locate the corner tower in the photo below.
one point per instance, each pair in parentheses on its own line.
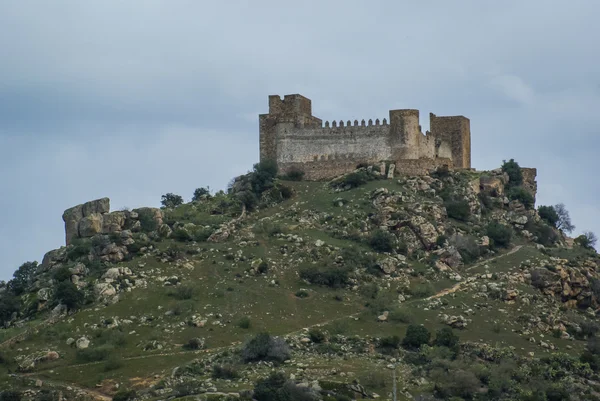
(456,131)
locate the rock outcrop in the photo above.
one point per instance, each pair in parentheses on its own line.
(94,217)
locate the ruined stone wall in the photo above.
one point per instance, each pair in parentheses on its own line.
(293,137)
(529,180)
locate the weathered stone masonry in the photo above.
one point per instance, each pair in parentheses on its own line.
(294,138)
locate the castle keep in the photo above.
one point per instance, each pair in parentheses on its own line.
(294,138)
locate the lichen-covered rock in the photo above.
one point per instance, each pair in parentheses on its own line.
(90,225)
(113,222)
(82,343)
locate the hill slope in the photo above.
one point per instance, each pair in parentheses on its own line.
(341,271)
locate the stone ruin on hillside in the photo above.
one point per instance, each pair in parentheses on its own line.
(295,139)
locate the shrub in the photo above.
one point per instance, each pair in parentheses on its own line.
(9,304)
(182,292)
(522,195)
(316,335)
(382,241)
(227,372)
(94,354)
(67,293)
(500,234)
(400,315)
(244,323)
(147,221)
(369,290)
(445,337)
(374,379)
(389,342)
(62,274)
(455,383)
(514,172)
(294,174)
(124,395)
(468,248)
(171,200)
(330,276)
(277,388)
(544,233)
(548,214)
(587,240)
(78,248)
(416,335)
(422,290)
(199,193)
(540,278)
(10,395)
(302,294)
(441,172)
(458,209)
(114,362)
(195,344)
(355,179)
(263,347)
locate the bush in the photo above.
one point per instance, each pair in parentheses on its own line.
(416,335)
(182,292)
(468,248)
(549,215)
(522,195)
(10,395)
(195,344)
(277,388)
(382,241)
(445,337)
(294,174)
(355,179)
(199,193)
(458,209)
(147,220)
(9,304)
(316,335)
(500,234)
(455,383)
(389,342)
(263,347)
(544,233)
(422,290)
(330,276)
(124,395)
(62,274)
(302,294)
(227,372)
(78,248)
(67,293)
(441,172)
(171,200)
(514,172)
(244,323)
(587,240)
(369,290)
(94,354)
(114,362)
(400,315)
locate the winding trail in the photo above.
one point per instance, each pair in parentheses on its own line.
(102,397)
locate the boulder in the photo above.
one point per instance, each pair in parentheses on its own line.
(82,343)
(104,290)
(44,294)
(90,225)
(98,206)
(165,231)
(492,186)
(388,265)
(113,222)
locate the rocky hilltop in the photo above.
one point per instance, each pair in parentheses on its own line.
(453,283)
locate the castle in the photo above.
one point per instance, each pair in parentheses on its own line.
(296,139)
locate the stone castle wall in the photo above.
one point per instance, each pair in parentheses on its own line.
(294,138)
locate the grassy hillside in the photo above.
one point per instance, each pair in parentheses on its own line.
(337,270)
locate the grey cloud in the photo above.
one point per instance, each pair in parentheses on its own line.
(134,99)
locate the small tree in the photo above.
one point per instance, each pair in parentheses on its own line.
(587,240)
(564,220)
(458,209)
(68,294)
(22,277)
(9,304)
(171,200)
(549,215)
(382,241)
(522,195)
(263,347)
(514,172)
(499,233)
(445,337)
(416,335)
(200,192)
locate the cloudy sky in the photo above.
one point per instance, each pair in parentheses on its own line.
(133,99)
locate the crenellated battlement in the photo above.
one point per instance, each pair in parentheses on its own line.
(293,137)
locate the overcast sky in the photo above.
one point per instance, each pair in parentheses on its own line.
(134,99)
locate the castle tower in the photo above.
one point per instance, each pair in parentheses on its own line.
(405,132)
(293,111)
(456,131)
